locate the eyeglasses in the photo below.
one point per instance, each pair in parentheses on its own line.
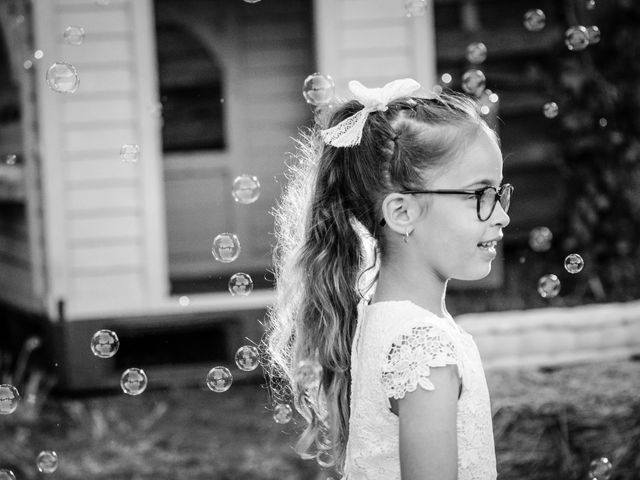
(486,198)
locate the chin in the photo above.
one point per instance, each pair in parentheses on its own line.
(475,274)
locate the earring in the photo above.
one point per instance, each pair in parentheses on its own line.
(406,236)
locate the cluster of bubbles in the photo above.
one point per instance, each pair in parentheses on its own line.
(540,239)
(576,37)
(219,379)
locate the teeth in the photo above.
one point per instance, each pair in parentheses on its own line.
(489,244)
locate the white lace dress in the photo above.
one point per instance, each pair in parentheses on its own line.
(395,345)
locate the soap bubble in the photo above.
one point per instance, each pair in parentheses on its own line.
(485,110)
(590,4)
(550,109)
(73,35)
(184,301)
(105,343)
(603,122)
(540,239)
(6,474)
(9,399)
(576,38)
(474,82)
(27,64)
(240,284)
(318,89)
(548,286)
(133,381)
(493,97)
(246,189)
(600,469)
(62,78)
(10,159)
(446,78)
(415,8)
(226,247)
(534,20)
(129,152)
(308,374)
(593,33)
(38,54)
(47,461)
(282,413)
(476,52)
(247,358)
(573,263)
(219,379)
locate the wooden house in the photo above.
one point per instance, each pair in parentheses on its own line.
(206,90)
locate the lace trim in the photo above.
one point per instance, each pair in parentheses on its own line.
(411,357)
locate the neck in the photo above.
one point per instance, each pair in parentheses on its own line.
(425,289)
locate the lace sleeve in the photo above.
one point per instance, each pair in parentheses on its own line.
(409,360)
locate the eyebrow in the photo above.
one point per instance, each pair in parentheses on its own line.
(482,183)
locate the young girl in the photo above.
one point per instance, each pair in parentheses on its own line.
(406,190)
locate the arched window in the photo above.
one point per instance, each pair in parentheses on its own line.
(191,92)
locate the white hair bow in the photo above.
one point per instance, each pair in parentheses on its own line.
(349,132)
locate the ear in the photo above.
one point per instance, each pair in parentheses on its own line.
(400,212)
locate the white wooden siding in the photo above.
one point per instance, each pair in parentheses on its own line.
(373,41)
(105,242)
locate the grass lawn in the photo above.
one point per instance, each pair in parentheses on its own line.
(195,434)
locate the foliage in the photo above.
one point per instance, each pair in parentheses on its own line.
(600,138)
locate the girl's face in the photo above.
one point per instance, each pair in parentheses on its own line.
(449,233)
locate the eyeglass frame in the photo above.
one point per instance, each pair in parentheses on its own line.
(499,191)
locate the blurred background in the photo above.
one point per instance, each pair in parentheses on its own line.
(142,147)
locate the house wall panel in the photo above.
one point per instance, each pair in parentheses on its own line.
(122,225)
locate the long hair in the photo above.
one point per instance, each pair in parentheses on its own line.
(329,213)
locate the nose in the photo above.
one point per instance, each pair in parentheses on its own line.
(500,217)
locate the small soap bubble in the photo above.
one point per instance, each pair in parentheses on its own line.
(600,469)
(573,263)
(485,110)
(246,189)
(240,284)
(133,381)
(19,19)
(548,286)
(6,474)
(38,54)
(129,152)
(282,413)
(226,247)
(493,97)
(105,343)
(474,82)
(540,239)
(534,20)
(446,78)
(593,32)
(63,78)
(318,89)
(437,89)
(247,358)
(27,64)
(308,374)
(219,379)
(47,461)
(10,159)
(603,122)
(590,4)
(415,8)
(550,109)
(476,53)
(73,35)
(9,399)
(576,38)
(184,301)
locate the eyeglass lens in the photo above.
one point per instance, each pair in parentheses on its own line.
(487,201)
